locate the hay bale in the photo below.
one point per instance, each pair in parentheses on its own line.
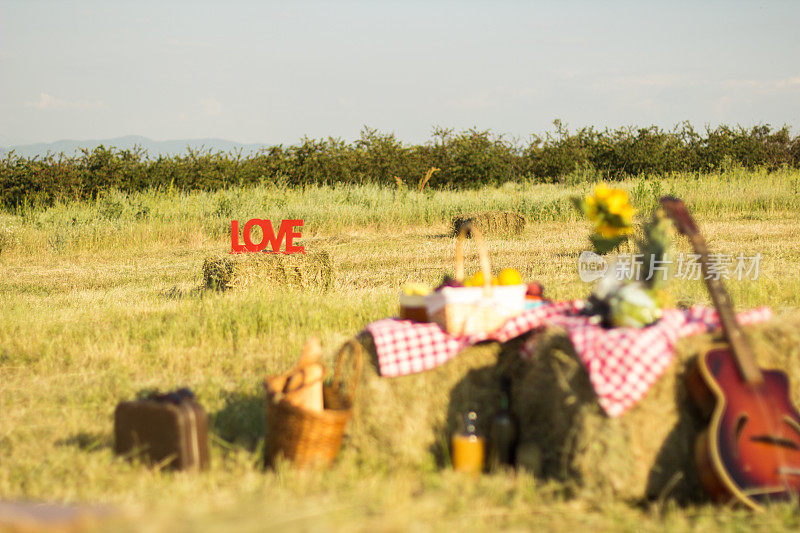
(645,453)
(491,222)
(312,270)
(409,420)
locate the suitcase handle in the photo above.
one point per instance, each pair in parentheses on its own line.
(176,397)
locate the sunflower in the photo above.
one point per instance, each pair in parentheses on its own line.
(602,191)
(608,205)
(608,231)
(590,208)
(619,205)
(610,211)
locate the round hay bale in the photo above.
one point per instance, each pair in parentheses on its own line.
(491,222)
(312,270)
(645,453)
(409,420)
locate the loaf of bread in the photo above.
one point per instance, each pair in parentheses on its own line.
(303,383)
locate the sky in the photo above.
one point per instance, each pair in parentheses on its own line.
(273,72)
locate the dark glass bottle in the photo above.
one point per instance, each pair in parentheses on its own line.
(503,433)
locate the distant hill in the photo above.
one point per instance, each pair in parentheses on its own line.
(153,148)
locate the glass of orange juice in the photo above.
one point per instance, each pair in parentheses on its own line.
(469,449)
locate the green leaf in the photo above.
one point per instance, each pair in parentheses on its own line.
(603,245)
(579,204)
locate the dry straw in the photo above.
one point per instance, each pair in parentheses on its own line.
(408,420)
(312,270)
(491,222)
(9,237)
(645,453)
(423,181)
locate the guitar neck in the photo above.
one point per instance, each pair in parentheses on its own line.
(740,345)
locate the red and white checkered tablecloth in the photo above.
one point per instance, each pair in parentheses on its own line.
(623,363)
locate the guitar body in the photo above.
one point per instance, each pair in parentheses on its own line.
(751,449)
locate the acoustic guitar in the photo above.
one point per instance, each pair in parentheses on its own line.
(750,451)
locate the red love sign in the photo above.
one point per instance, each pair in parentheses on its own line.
(285,233)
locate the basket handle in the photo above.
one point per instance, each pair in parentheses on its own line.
(483,254)
(358,364)
(301,369)
(278,393)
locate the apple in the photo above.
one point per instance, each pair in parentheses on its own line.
(535,289)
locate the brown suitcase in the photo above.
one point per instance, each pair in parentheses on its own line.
(169,430)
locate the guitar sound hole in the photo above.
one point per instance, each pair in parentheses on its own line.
(776,441)
(741,421)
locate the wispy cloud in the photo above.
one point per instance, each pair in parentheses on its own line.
(471,101)
(48,101)
(651,81)
(181,43)
(657,80)
(211,106)
(521,92)
(791,82)
(491,97)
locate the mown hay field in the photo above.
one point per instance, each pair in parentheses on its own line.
(101,299)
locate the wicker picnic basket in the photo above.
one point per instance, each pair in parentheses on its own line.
(312,438)
(467,310)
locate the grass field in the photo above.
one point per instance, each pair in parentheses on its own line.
(89,316)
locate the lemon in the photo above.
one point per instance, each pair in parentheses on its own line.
(416,289)
(477,280)
(510,276)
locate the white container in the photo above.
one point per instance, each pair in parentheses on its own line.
(467,310)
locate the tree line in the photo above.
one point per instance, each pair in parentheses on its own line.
(466,159)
